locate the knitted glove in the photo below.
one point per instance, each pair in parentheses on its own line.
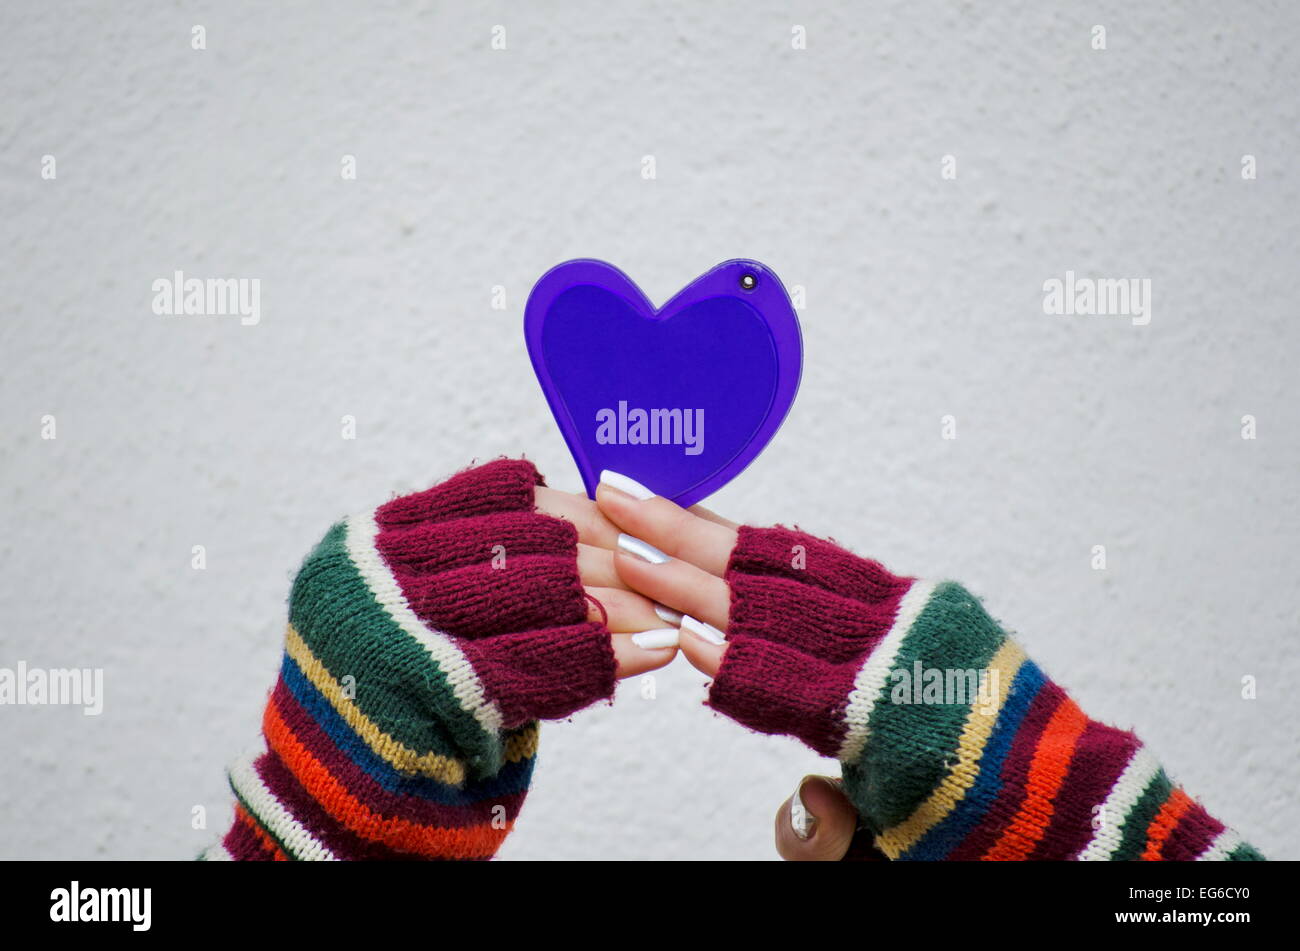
(425,640)
(883,673)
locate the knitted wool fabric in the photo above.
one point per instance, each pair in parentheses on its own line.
(425,640)
(826,646)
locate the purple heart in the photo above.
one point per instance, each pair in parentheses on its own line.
(681,398)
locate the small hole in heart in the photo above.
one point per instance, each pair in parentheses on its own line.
(748,282)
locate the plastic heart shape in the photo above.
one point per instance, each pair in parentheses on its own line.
(681,398)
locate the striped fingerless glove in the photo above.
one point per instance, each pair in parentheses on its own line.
(952,743)
(425,640)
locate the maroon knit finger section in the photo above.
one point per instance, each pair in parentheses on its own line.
(775,689)
(433,547)
(545,674)
(526,593)
(787,553)
(826,625)
(502,485)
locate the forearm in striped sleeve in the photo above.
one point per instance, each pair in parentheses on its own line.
(425,641)
(953,744)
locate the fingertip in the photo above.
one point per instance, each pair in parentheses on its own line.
(630,660)
(824,797)
(613,503)
(702,655)
(629,568)
(816,824)
(711,516)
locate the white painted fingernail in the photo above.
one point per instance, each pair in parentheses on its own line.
(652,640)
(705,632)
(616,480)
(668,615)
(643,550)
(801,820)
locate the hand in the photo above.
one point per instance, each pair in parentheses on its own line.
(816,824)
(662,555)
(698,544)
(698,541)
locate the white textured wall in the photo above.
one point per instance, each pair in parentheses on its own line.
(480,167)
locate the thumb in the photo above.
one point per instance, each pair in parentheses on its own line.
(816,824)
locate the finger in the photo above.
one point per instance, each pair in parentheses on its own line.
(626,612)
(669,527)
(816,824)
(678,584)
(596,567)
(593,527)
(699,648)
(714,517)
(632,659)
